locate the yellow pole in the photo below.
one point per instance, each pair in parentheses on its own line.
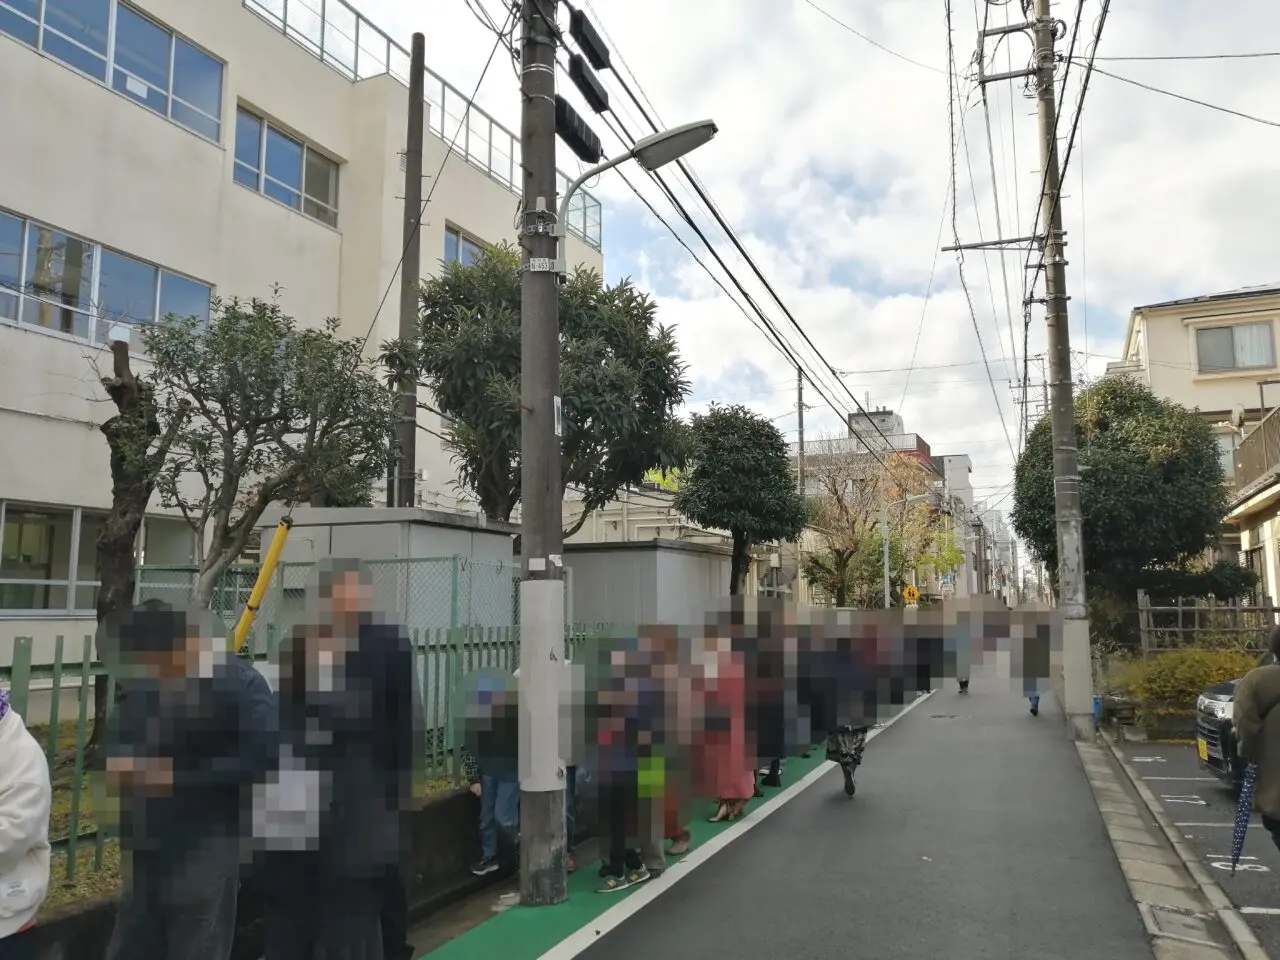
(265,572)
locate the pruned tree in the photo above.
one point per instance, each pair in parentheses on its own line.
(621,380)
(139,437)
(278,414)
(741,482)
(843,490)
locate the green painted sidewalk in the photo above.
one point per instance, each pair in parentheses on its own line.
(526,933)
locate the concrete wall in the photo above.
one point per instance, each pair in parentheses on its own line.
(661,581)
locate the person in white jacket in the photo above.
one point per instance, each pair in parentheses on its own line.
(25,798)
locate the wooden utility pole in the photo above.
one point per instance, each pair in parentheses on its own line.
(542,615)
(402,485)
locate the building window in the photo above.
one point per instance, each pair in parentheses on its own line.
(141,59)
(285,169)
(1243,346)
(48,559)
(57,281)
(458,249)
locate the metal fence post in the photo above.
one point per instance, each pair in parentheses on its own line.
(20,675)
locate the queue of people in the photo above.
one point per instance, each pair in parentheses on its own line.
(301,788)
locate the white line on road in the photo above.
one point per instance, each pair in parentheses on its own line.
(582,938)
(1224,826)
(1185,779)
(1260,911)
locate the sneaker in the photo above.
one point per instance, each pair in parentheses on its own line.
(485,867)
(1035,709)
(850,788)
(615,884)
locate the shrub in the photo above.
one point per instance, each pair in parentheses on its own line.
(1179,676)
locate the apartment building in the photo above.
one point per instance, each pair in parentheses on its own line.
(170,151)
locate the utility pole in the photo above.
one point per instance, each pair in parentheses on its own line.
(800,480)
(800,413)
(401,485)
(1077,664)
(542,615)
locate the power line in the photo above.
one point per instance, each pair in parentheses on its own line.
(1186,99)
(731,234)
(1197,56)
(928,292)
(952,96)
(417,221)
(875,43)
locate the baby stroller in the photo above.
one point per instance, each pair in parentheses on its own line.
(845,747)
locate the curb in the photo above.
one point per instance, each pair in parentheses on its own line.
(1245,940)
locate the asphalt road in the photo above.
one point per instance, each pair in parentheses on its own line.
(974,836)
(1204,812)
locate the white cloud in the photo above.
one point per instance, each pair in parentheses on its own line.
(832,162)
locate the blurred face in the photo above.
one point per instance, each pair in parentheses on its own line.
(351,596)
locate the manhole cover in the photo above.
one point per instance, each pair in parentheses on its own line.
(945,716)
(1177,926)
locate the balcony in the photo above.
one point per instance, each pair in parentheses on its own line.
(1258,455)
(342,39)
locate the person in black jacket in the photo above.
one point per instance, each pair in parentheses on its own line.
(348,723)
(192,735)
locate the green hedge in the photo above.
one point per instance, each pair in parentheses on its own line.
(1179,676)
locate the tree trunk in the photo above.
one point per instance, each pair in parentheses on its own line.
(138,451)
(740,563)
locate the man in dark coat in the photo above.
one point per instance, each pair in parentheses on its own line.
(194,732)
(382,662)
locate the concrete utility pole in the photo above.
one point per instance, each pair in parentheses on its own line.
(1077,664)
(800,413)
(401,488)
(542,840)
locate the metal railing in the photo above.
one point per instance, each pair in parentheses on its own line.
(1259,452)
(340,37)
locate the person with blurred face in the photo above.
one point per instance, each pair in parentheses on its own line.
(379,665)
(192,735)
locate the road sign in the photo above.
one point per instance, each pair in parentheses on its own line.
(911,594)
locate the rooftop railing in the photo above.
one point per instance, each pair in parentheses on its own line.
(333,32)
(1259,453)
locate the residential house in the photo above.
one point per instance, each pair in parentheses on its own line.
(238,148)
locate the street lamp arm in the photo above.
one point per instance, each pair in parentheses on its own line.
(562,215)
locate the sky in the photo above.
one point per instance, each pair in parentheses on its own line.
(833,165)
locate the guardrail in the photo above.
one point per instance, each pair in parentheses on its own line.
(335,33)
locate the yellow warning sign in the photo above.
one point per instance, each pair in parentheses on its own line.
(911,594)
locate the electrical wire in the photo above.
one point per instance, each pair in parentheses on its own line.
(1186,99)
(417,221)
(1197,56)
(955,226)
(928,292)
(875,43)
(743,253)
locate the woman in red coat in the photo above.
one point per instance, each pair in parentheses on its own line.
(724,768)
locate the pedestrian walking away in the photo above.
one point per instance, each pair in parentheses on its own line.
(192,735)
(25,800)
(1258,733)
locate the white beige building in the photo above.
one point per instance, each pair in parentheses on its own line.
(1217,353)
(166,151)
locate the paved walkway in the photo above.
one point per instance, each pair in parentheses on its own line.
(974,836)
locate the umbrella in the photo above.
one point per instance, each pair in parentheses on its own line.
(1244,809)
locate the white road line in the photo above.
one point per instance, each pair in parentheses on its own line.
(1260,911)
(1224,826)
(1185,779)
(584,937)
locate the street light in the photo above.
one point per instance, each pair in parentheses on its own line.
(884,533)
(651,152)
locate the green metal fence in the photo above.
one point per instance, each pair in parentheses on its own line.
(52,684)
